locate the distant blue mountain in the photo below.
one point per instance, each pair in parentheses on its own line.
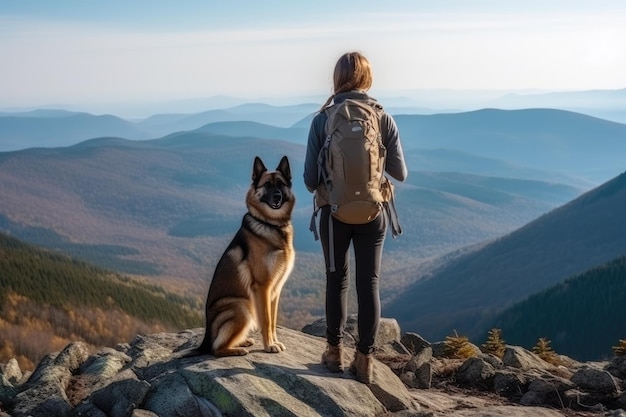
(449,160)
(606,104)
(585,149)
(256,130)
(48,113)
(546,139)
(52,129)
(280,116)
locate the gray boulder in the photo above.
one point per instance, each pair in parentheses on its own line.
(44,394)
(518,357)
(476,372)
(158,375)
(591,379)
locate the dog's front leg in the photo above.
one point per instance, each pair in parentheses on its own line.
(263,302)
(275,298)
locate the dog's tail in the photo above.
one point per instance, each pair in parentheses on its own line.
(206,346)
(203,349)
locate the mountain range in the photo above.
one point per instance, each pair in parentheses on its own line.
(565,142)
(474,207)
(54,128)
(570,144)
(58,128)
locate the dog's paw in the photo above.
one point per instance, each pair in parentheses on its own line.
(248,342)
(231,352)
(275,348)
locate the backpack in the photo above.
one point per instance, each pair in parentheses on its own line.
(352,166)
(352,161)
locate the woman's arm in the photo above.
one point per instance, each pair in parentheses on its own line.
(313,147)
(395,164)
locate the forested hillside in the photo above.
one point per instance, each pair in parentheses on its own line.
(48,300)
(583,317)
(466,292)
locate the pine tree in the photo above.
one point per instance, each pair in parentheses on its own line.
(544,351)
(459,347)
(494,344)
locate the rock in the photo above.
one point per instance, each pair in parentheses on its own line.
(549,383)
(158,375)
(546,390)
(145,413)
(152,376)
(45,392)
(419,369)
(492,360)
(293,383)
(106,363)
(458,403)
(414,343)
(520,358)
(439,349)
(617,367)
(423,356)
(10,377)
(476,372)
(12,372)
(621,401)
(7,390)
(509,411)
(87,410)
(120,395)
(510,383)
(591,379)
(172,396)
(388,331)
(423,376)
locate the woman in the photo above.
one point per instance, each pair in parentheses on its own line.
(352,79)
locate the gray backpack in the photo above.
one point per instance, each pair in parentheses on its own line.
(352,167)
(352,161)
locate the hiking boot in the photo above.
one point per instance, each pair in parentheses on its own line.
(333,358)
(363,367)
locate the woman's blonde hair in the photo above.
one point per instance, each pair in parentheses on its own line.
(352,72)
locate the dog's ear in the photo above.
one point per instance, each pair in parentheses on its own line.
(258,168)
(283,168)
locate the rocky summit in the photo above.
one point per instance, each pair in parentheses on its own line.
(151,376)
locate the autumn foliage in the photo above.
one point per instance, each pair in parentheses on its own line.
(48,300)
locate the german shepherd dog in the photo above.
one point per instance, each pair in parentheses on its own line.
(250,275)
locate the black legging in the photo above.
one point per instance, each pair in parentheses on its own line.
(367,240)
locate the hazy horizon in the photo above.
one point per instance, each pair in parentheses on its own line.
(82,53)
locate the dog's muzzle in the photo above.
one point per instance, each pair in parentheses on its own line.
(277,199)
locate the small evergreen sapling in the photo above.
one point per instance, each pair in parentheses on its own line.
(459,347)
(494,343)
(545,352)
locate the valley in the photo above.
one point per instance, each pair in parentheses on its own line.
(163,205)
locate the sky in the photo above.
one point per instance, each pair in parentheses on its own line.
(86,51)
